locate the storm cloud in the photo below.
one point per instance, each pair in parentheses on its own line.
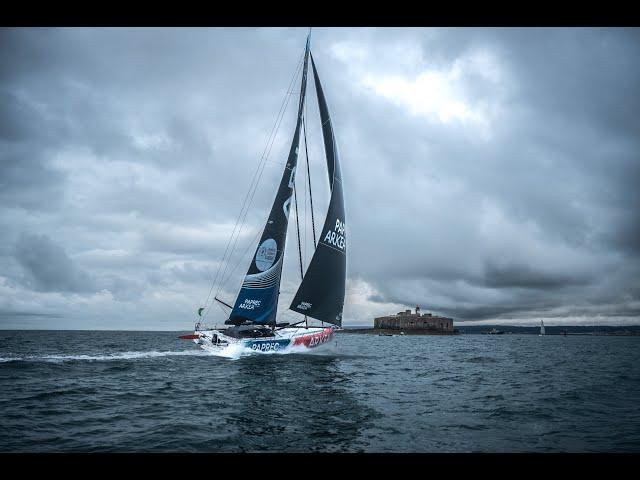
(48,267)
(490,173)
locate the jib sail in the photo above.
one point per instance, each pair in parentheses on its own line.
(321,293)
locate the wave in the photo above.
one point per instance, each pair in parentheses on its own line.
(103,357)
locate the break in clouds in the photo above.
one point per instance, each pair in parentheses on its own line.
(490,174)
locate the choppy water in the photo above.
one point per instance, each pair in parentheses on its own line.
(149,391)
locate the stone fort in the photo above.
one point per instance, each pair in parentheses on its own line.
(414,321)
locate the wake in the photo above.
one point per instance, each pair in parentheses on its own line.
(104,357)
(233,352)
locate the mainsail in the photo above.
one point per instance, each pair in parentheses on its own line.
(321,293)
(257,301)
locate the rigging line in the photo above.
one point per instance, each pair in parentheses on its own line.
(256,180)
(227,254)
(222,308)
(261,167)
(313,224)
(247,211)
(295,198)
(242,257)
(257,174)
(262,170)
(239,222)
(305,206)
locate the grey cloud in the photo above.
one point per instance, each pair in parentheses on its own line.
(526,276)
(48,268)
(27,179)
(554,166)
(376,298)
(133,147)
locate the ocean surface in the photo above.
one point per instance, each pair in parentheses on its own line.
(72,391)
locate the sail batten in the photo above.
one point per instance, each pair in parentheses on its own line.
(321,292)
(257,301)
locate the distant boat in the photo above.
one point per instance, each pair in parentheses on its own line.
(541,328)
(495,331)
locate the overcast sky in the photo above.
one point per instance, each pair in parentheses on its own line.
(490,174)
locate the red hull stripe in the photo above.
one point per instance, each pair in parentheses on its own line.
(314,339)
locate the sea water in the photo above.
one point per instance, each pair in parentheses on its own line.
(103,391)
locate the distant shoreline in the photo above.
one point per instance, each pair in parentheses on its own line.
(581,330)
(387,331)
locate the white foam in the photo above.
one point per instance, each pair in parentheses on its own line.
(233,352)
(105,357)
(236,351)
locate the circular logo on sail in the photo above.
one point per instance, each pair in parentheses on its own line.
(266,254)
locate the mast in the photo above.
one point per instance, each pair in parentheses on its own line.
(306,151)
(321,293)
(257,301)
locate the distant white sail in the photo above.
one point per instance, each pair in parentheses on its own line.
(541,327)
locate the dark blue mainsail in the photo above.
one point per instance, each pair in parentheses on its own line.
(321,293)
(257,301)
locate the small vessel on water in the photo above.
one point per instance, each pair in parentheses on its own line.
(495,331)
(320,295)
(541,328)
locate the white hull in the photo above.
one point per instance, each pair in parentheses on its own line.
(284,340)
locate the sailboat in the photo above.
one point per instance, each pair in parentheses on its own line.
(541,328)
(252,321)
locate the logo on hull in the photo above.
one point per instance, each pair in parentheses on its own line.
(315,339)
(268,346)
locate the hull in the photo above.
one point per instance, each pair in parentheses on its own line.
(285,340)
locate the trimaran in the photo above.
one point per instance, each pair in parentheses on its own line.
(251,323)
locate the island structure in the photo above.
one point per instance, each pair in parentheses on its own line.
(409,323)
